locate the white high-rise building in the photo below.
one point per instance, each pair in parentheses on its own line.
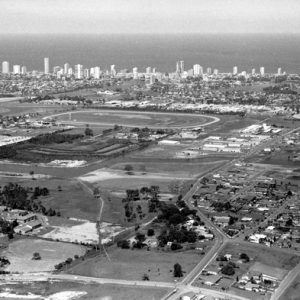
(97,72)
(5,67)
(208,71)
(279,71)
(78,71)
(216,71)
(46,65)
(181,66)
(198,70)
(253,72)
(154,71)
(135,73)
(148,70)
(66,68)
(70,72)
(86,73)
(262,71)
(56,69)
(113,70)
(23,70)
(16,69)
(235,70)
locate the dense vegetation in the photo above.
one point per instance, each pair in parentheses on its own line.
(15,196)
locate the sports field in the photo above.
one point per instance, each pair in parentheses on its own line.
(136,119)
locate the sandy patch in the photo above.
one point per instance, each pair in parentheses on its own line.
(66,295)
(83,233)
(109,174)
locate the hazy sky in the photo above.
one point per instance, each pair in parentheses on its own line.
(149,16)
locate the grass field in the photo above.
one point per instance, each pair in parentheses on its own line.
(293,291)
(72,201)
(20,253)
(137,119)
(264,255)
(93,291)
(133,264)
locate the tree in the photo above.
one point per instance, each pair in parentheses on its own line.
(140,237)
(228,270)
(146,277)
(36,256)
(32,174)
(124,244)
(150,232)
(244,257)
(88,131)
(177,270)
(96,192)
(128,168)
(175,246)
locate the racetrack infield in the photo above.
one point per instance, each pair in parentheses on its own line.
(153,120)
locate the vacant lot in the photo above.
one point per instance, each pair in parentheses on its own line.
(133,264)
(20,253)
(93,291)
(293,292)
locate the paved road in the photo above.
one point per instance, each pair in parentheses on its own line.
(181,289)
(214,119)
(286,282)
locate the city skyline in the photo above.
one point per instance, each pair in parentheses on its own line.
(145,16)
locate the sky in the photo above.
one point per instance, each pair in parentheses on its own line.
(149,16)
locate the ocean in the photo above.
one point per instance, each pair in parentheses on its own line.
(159,51)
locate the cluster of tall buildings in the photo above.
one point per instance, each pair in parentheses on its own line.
(197,70)
(17,69)
(79,72)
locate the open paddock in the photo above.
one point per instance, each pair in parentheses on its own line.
(133,264)
(20,253)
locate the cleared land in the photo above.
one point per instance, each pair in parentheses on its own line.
(20,253)
(92,291)
(133,264)
(293,292)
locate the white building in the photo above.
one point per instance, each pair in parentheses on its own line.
(279,72)
(113,71)
(16,69)
(135,73)
(78,71)
(46,65)
(70,72)
(148,70)
(253,72)
(86,73)
(262,71)
(66,68)
(5,67)
(235,70)
(198,70)
(23,70)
